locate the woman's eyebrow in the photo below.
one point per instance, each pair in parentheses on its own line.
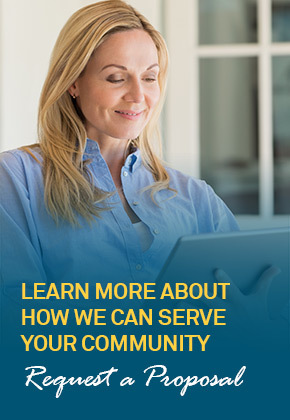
(153,65)
(125,68)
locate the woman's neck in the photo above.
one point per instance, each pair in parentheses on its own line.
(114,153)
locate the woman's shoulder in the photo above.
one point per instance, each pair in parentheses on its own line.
(19,163)
(205,203)
(32,150)
(24,156)
(187,183)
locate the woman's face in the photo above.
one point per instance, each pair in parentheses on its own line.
(119,89)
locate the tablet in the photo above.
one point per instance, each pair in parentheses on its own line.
(242,255)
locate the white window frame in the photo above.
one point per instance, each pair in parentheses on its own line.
(182,108)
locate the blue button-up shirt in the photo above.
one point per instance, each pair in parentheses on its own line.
(108,250)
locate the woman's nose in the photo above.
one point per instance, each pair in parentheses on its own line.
(135,92)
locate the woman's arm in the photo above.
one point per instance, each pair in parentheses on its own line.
(20,249)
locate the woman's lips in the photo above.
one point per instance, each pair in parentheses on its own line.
(129,115)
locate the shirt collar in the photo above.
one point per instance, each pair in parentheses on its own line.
(131,163)
(92,147)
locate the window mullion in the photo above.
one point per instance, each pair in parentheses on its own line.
(266,166)
(196,92)
(182,108)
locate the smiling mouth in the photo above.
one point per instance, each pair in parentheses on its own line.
(133,114)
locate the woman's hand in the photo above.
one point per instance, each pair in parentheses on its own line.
(247,316)
(248,310)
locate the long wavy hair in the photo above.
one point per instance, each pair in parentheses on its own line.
(68,183)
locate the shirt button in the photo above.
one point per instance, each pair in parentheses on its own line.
(138,267)
(156,231)
(125,173)
(135,203)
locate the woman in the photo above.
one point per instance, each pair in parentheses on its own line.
(93,201)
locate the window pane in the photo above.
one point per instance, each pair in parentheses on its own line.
(281,20)
(281,119)
(229,130)
(227,21)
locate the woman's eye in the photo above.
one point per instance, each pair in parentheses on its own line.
(115,80)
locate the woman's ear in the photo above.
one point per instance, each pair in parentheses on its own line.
(73,90)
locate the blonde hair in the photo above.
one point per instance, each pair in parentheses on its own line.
(69,187)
